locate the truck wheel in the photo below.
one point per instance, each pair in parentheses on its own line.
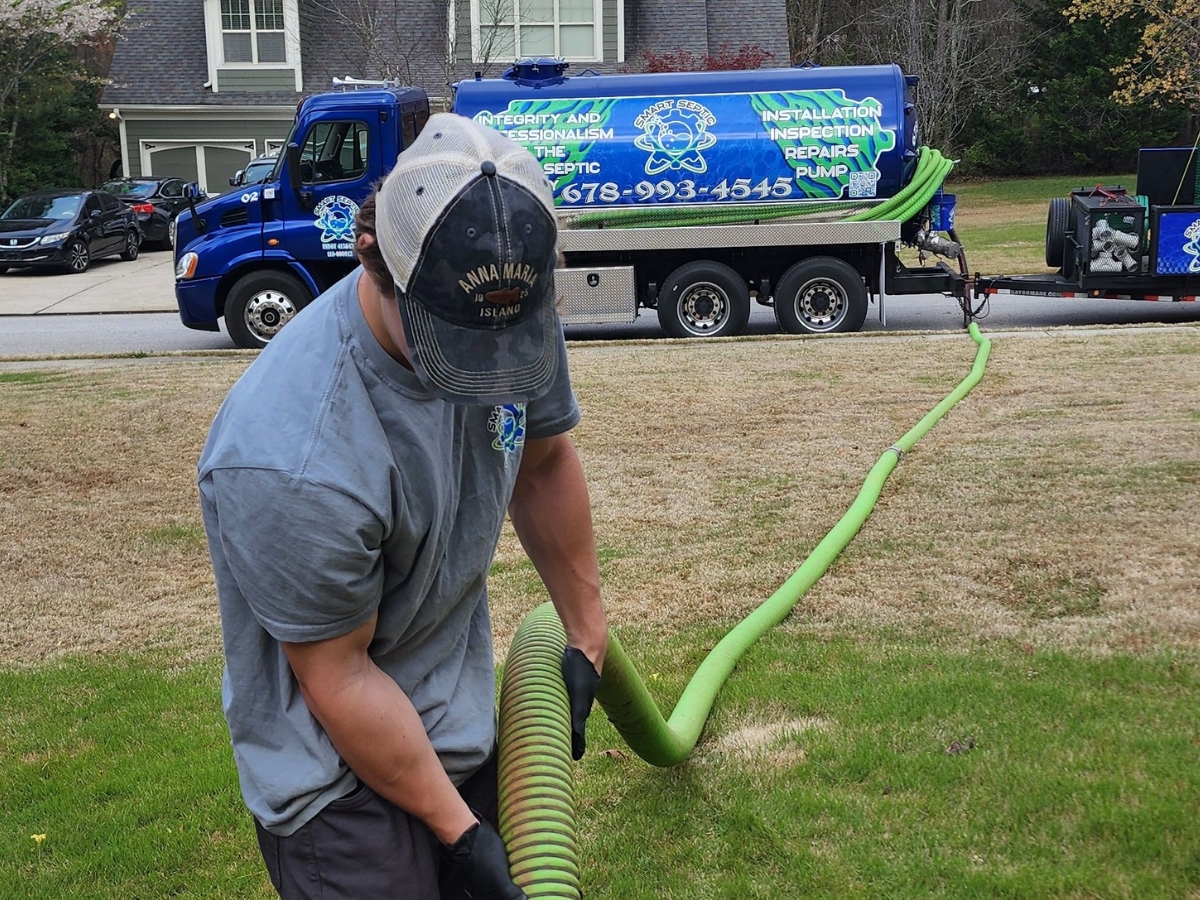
(820,296)
(261,303)
(704,299)
(1057,221)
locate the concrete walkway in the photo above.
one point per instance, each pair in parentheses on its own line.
(110,285)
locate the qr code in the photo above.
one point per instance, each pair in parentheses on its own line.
(862,184)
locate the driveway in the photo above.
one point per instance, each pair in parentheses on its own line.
(111,285)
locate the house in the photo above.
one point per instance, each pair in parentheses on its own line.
(201,87)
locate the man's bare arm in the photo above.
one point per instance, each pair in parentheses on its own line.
(376,729)
(552,515)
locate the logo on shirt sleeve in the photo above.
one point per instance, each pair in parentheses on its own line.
(508,424)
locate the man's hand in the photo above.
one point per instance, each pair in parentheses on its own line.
(481,856)
(581,679)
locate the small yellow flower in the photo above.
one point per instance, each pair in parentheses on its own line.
(38,838)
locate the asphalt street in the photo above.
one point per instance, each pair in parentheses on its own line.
(129,307)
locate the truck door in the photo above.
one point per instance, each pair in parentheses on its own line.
(318,223)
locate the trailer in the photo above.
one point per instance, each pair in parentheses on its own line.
(1106,243)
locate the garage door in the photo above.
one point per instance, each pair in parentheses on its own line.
(209,163)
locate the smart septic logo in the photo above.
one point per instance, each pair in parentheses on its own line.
(335,217)
(674,132)
(1192,247)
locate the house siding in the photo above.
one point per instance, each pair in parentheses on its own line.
(609,34)
(255,80)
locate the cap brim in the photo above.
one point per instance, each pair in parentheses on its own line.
(516,364)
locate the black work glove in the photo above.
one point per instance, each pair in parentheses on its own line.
(481,857)
(581,679)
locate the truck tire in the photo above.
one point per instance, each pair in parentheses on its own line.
(704,299)
(261,303)
(821,295)
(1057,221)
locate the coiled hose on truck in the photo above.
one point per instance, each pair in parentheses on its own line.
(537,796)
(932,169)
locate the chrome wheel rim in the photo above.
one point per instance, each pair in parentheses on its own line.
(79,257)
(821,304)
(267,312)
(703,307)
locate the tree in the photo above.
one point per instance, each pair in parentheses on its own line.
(1062,116)
(1166,65)
(36,37)
(414,41)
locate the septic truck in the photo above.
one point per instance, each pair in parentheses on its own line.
(688,194)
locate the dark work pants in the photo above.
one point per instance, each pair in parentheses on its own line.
(362,847)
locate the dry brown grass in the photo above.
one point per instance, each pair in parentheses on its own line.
(1057,504)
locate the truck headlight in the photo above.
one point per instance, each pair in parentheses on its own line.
(186,267)
(55,238)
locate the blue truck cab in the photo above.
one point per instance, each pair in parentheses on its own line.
(257,256)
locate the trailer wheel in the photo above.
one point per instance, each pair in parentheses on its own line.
(1057,221)
(821,296)
(261,303)
(704,299)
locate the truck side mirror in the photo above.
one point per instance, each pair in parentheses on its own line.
(292,159)
(237,178)
(192,192)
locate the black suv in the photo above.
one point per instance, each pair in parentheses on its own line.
(67,229)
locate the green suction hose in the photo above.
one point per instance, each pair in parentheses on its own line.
(932,169)
(537,797)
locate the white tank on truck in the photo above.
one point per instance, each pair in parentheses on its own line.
(691,193)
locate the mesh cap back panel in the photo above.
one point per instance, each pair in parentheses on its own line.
(443,159)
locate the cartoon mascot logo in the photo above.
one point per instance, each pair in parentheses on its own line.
(1192,247)
(507,422)
(674,133)
(335,217)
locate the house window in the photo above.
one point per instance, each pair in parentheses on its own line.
(511,29)
(252,31)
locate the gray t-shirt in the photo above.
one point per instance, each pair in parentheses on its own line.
(334,486)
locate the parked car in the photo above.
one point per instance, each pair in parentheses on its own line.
(68,229)
(156,201)
(256,170)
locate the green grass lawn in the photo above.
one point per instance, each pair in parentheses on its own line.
(1074,776)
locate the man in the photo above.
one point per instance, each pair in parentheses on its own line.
(353,487)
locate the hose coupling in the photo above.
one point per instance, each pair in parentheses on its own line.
(930,240)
